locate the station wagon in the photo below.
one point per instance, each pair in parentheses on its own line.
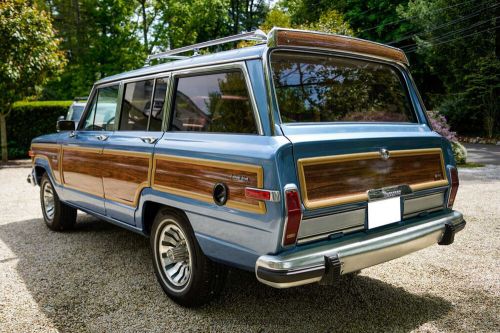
(302,158)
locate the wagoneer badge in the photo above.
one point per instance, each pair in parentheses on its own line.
(384,153)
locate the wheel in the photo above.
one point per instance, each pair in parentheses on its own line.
(186,275)
(57,215)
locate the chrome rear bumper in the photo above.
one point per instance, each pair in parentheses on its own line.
(329,261)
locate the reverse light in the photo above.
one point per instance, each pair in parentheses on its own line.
(293,215)
(454,186)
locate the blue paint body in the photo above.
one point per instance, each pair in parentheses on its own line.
(228,235)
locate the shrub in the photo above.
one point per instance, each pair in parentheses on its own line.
(459,151)
(440,125)
(31,119)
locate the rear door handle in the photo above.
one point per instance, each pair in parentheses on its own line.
(102,137)
(149,139)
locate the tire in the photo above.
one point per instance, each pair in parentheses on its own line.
(186,275)
(57,215)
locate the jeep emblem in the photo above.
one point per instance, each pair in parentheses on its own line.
(384,154)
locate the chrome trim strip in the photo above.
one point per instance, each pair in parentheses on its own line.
(423,203)
(329,224)
(328,234)
(361,252)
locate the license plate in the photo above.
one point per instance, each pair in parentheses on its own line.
(383,212)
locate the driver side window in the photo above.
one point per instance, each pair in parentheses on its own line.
(101,115)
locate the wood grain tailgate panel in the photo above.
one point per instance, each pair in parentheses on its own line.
(346,178)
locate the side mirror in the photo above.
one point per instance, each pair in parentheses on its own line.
(65,125)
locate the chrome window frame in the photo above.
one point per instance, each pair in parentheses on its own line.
(400,67)
(212,69)
(154,77)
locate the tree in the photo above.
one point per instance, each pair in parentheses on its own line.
(28,57)
(457,41)
(100,38)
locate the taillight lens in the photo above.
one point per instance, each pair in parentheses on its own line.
(257,194)
(454,186)
(294,216)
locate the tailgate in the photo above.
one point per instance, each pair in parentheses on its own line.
(337,165)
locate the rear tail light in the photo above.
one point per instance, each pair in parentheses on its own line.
(453,186)
(31,153)
(293,215)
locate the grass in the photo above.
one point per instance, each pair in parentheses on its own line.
(471,165)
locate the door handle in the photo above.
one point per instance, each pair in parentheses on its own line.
(149,139)
(72,134)
(102,137)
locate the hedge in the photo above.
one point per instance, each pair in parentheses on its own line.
(31,119)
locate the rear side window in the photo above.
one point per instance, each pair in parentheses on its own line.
(101,114)
(136,106)
(217,102)
(321,88)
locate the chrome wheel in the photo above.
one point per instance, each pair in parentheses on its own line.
(48,200)
(174,255)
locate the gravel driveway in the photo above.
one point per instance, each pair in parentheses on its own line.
(98,278)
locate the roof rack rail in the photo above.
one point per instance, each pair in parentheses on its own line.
(257,35)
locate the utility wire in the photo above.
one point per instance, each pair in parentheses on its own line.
(409,18)
(454,39)
(452,33)
(448,34)
(443,25)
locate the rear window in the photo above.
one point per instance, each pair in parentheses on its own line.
(321,88)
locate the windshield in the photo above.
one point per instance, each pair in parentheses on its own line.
(75,112)
(322,88)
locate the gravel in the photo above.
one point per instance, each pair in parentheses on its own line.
(99,278)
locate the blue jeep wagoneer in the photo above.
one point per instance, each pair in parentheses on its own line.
(302,158)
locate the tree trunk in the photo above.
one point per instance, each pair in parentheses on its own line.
(3,138)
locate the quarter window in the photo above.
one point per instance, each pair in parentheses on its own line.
(136,106)
(101,114)
(217,102)
(158,102)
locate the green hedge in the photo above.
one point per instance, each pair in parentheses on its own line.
(31,119)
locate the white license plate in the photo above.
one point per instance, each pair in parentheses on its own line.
(383,212)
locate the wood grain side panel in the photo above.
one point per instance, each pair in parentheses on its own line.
(342,43)
(344,179)
(125,174)
(51,153)
(82,170)
(196,178)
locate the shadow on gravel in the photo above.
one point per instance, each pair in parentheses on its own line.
(99,278)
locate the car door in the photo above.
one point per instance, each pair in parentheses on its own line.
(128,153)
(81,167)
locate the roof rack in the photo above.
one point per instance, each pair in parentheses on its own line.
(257,35)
